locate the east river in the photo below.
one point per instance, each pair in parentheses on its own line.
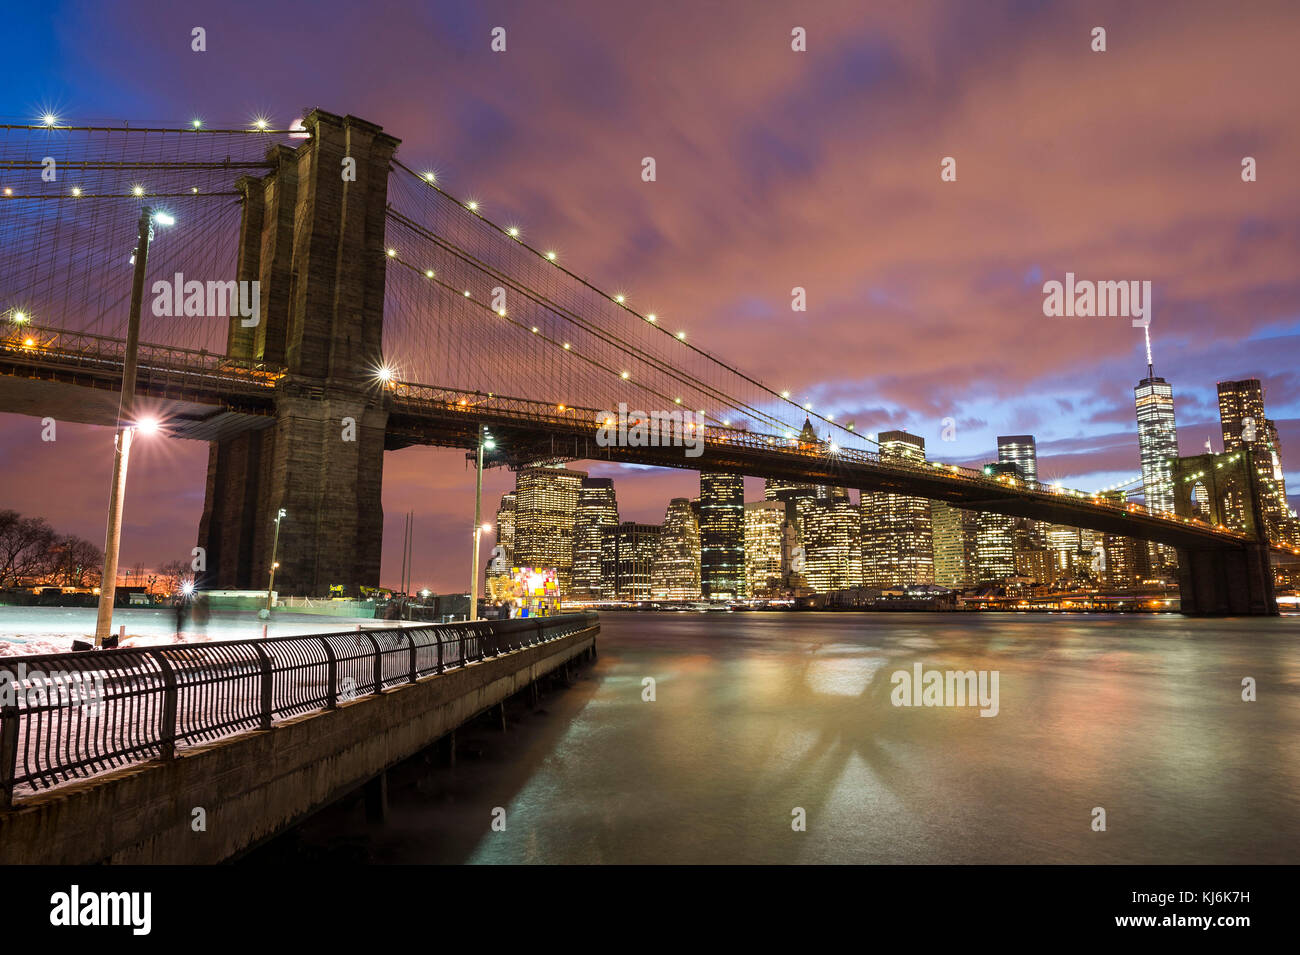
(758,716)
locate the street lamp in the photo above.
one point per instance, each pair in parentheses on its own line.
(484,441)
(275,546)
(126,426)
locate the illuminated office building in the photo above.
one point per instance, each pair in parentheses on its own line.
(830,535)
(676,571)
(546,506)
(628,554)
(769,537)
(897,539)
(995,555)
(505,537)
(722,535)
(1158,447)
(954,532)
(1242,418)
(597,510)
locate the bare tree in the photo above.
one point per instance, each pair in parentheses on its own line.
(72,562)
(25,544)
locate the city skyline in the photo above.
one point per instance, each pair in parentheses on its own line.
(951,328)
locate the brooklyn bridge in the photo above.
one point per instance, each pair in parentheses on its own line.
(392,314)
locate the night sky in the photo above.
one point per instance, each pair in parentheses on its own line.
(775,169)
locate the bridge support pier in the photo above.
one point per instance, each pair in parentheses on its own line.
(314,241)
(1226,582)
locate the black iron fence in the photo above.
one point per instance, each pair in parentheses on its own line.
(65,716)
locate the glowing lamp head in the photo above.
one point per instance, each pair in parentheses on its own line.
(551,256)
(487,528)
(619,299)
(428,273)
(260,122)
(49,119)
(385,374)
(472,205)
(196,123)
(137,190)
(76,190)
(392,253)
(430,177)
(20,317)
(147,425)
(512,232)
(164,218)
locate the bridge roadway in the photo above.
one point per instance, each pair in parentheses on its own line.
(197,394)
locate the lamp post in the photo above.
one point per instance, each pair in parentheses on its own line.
(275,546)
(126,427)
(484,441)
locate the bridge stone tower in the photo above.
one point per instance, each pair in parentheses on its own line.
(1218,580)
(315,242)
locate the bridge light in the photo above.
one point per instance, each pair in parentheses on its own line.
(619,299)
(850,425)
(624,375)
(187,589)
(466,293)
(194,189)
(196,123)
(428,273)
(8,191)
(487,528)
(566,346)
(501,312)
(830,417)
(651,317)
(76,190)
(681,336)
(559,407)
(385,373)
(677,400)
(472,205)
(147,425)
(29,342)
(490,444)
(785,394)
(726,423)
(137,190)
(535,329)
(808,406)
(513,232)
(49,119)
(551,256)
(430,177)
(834,448)
(260,122)
(163,218)
(20,317)
(392,253)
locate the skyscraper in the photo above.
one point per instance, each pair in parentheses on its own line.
(1242,418)
(628,555)
(897,538)
(995,556)
(955,533)
(597,510)
(1020,450)
(1158,447)
(546,505)
(831,538)
(768,538)
(676,571)
(722,535)
(505,537)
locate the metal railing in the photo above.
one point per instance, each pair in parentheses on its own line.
(65,716)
